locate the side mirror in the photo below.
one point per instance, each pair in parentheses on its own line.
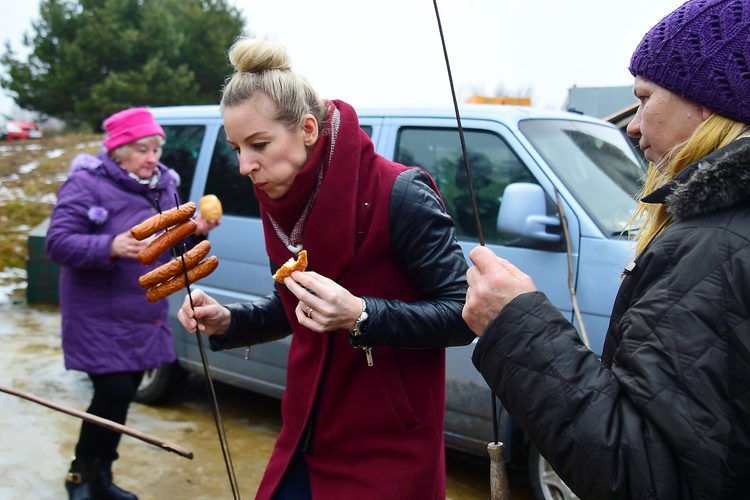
(523,214)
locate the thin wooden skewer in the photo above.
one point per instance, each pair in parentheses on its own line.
(95,419)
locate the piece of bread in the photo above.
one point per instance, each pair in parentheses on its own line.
(210,208)
(290,266)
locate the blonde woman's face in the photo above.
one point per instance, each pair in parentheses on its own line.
(143,158)
(268,152)
(663,119)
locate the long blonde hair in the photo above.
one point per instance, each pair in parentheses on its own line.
(649,220)
(265,67)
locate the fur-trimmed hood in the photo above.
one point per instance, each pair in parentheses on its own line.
(718,181)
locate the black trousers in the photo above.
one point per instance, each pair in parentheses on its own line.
(295,485)
(113,393)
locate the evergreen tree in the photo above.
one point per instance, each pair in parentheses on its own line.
(91,58)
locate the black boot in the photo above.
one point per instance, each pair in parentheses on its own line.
(104,488)
(79,481)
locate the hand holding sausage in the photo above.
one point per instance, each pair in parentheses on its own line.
(493,283)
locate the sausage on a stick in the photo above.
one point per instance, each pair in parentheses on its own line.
(178,282)
(174,267)
(163,220)
(165,240)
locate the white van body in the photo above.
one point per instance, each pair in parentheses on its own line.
(554,190)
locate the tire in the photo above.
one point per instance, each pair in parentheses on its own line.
(545,483)
(162,384)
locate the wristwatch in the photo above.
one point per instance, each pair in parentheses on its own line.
(356,331)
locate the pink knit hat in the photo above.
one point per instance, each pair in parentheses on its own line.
(128,126)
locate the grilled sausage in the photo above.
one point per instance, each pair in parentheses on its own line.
(166,219)
(178,282)
(174,267)
(166,240)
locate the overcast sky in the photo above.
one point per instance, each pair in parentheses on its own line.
(389,51)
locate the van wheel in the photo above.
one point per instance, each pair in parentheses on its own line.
(161,384)
(545,482)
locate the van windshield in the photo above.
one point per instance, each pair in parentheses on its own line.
(596,163)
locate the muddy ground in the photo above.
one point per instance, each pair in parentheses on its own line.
(37,442)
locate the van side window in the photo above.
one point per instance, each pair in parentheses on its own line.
(493,166)
(225,181)
(180,152)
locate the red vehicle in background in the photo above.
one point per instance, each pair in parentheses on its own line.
(12,130)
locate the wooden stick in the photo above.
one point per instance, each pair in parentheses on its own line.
(499,487)
(109,424)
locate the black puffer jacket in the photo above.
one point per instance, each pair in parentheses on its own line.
(666,413)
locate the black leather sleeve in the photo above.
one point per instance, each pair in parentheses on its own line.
(424,243)
(254,323)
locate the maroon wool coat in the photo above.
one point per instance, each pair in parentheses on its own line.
(367,432)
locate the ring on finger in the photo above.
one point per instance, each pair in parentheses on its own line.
(308,312)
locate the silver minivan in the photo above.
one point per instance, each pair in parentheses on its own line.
(554,192)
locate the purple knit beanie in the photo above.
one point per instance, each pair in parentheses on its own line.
(701,52)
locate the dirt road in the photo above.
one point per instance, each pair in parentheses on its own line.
(37,442)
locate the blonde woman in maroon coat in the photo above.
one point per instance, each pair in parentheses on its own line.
(381,299)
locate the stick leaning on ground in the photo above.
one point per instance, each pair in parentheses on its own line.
(94,419)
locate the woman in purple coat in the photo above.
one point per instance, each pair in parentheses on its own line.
(109,329)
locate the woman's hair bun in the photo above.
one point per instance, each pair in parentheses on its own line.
(256,55)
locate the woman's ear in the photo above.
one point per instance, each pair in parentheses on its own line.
(309,129)
(706,113)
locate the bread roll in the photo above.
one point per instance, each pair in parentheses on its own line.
(210,208)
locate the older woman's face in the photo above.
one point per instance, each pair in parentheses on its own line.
(143,158)
(663,119)
(268,152)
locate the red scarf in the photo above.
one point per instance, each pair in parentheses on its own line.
(286,211)
(329,231)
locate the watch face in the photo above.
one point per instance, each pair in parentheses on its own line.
(362,317)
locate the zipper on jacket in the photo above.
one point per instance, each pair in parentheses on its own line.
(368,354)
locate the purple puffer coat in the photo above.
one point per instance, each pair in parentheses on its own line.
(107,323)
